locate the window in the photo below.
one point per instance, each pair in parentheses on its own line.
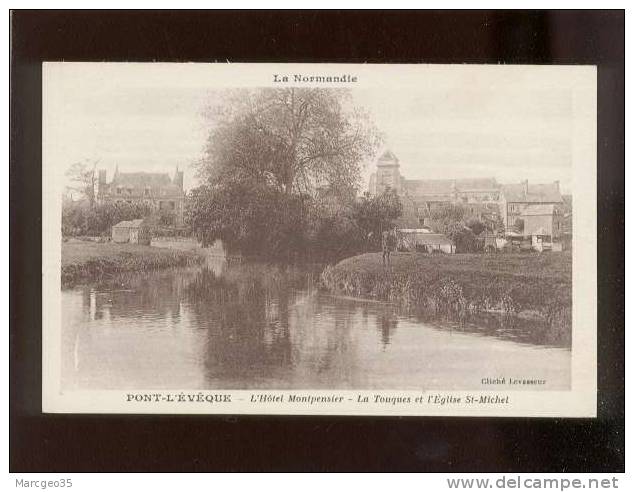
(147,192)
(118,190)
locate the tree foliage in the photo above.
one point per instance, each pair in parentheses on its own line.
(83,176)
(292,140)
(280,170)
(494,223)
(375,214)
(447,219)
(476,226)
(519,225)
(250,220)
(465,240)
(79,218)
(454,221)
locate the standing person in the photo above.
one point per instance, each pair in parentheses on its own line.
(384,246)
(388,244)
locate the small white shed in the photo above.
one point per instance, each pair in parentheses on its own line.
(130,231)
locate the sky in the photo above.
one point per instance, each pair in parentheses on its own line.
(478,125)
(472,132)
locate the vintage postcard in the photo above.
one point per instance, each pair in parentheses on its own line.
(319,239)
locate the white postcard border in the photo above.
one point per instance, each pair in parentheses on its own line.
(580,401)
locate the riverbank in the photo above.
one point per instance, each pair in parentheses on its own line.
(526,284)
(87,261)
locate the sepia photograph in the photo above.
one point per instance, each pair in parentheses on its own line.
(316,241)
(395,236)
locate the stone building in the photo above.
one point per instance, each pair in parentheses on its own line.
(526,208)
(523,208)
(155,189)
(429,192)
(419,196)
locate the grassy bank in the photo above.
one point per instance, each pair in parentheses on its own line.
(531,284)
(86,261)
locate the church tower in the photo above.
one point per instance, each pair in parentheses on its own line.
(387,174)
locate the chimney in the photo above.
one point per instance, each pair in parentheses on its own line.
(557,185)
(525,183)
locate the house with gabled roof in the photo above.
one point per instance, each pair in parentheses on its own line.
(532,207)
(158,190)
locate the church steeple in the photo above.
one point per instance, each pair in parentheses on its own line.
(178,178)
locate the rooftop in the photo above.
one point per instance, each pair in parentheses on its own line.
(160,184)
(142,179)
(532,193)
(129,223)
(448,186)
(387,158)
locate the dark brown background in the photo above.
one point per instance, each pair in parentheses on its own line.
(74,443)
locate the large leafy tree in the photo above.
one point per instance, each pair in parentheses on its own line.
(293,140)
(250,220)
(272,155)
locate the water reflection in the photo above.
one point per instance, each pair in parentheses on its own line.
(520,329)
(267,326)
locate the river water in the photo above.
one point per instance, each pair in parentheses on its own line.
(248,326)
